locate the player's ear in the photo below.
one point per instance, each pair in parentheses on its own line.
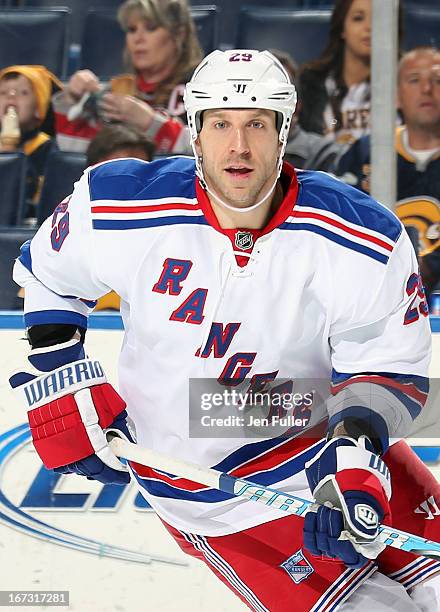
(197,146)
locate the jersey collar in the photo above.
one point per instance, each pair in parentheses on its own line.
(244,239)
(290,186)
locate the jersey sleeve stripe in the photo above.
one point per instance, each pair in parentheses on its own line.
(55,316)
(141,209)
(329,196)
(338,239)
(415,387)
(349,230)
(127,224)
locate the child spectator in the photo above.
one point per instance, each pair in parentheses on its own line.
(25,94)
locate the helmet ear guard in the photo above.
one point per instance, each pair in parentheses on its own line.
(240,78)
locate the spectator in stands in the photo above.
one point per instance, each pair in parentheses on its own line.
(418,155)
(25,95)
(306,150)
(162,50)
(335,88)
(119,140)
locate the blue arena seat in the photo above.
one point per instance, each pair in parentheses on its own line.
(206,19)
(102,44)
(63,170)
(104,40)
(35,36)
(10,241)
(12,187)
(79,10)
(229,11)
(301,33)
(421,25)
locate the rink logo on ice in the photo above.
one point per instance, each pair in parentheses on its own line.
(244,240)
(30,495)
(297,567)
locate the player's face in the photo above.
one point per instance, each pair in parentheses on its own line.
(152,49)
(239,150)
(419,89)
(357,29)
(19,93)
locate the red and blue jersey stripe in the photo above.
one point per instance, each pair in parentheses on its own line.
(132,194)
(265,462)
(343,215)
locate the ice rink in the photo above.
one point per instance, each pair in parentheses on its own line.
(46,528)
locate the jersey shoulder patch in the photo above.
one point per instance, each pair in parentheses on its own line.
(133,179)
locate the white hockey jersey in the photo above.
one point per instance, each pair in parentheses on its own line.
(328,291)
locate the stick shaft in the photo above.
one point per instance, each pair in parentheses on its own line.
(257,493)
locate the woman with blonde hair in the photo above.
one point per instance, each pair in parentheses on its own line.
(161,52)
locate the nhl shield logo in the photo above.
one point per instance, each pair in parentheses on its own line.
(297,567)
(244,240)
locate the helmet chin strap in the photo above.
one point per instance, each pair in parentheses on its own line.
(228,206)
(238,209)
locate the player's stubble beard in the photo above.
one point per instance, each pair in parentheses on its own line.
(239,197)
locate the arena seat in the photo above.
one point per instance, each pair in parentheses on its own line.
(10,241)
(229,12)
(103,39)
(102,44)
(421,25)
(35,36)
(301,33)
(63,170)
(79,10)
(206,19)
(12,187)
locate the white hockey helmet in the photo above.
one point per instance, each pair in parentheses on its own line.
(240,78)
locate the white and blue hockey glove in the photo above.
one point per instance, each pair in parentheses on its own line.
(351,487)
(70,408)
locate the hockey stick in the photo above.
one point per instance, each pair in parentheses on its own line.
(258,493)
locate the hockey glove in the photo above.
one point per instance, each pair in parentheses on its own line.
(70,408)
(351,487)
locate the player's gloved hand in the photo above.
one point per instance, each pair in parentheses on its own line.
(70,408)
(351,486)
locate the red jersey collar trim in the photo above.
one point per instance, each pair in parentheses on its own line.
(284,211)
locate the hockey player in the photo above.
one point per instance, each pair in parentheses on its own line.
(232,267)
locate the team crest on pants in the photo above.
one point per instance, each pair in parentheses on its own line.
(243,240)
(297,567)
